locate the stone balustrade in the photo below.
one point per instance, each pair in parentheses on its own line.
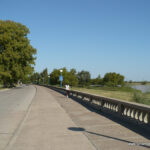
(134,112)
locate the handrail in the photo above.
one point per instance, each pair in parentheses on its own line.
(137,113)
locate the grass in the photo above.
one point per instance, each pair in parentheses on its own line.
(1,87)
(121,93)
(143,98)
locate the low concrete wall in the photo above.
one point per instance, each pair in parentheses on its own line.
(134,112)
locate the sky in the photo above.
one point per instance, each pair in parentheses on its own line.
(99,36)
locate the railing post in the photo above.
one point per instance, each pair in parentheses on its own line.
(148,118)
(90,99)
(120,109)
(102,104)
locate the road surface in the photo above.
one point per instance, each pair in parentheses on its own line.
(50,121)
(14,104)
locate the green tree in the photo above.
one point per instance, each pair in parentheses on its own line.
(44,76)
(96,81)
(113,79)
(144,82)
(84,78)
(72,77)
(35,78)
(54,77)
(69,77)
(16,53)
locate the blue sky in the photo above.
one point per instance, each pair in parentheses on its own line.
(96,35)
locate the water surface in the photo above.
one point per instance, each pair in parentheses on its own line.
(143,88)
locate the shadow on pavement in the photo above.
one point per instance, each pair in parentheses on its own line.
(146,145)
(131,126)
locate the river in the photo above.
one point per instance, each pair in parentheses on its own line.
(143,88)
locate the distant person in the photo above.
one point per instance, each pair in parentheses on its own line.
(67,90)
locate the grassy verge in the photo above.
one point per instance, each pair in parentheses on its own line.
(122,93)
(2,88)
(143,98)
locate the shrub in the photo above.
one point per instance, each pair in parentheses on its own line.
(144,82)
(142,98)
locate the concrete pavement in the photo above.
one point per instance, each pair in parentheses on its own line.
(14,105)
(46,127)
(54,122)
(103,130)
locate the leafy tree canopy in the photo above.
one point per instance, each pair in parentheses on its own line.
(35,78)
(96,81)
(69,77)
(44,76)
(113,79)
(16,53)
(84,77)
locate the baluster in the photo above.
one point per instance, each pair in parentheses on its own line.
(127,111)
(143,116)
(90,99)
(134,113)
(111,106)
(130,112)
(138,115)
(102,103)
(106,104)
(120,110)
(117,108)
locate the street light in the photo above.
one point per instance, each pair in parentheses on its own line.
(61,78)
(49,80)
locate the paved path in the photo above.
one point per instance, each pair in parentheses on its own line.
(54,122)
(14,104)
(46,127)
(103,131)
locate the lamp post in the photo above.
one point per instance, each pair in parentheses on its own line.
(61,78)
(49,80)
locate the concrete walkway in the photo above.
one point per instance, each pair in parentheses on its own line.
(14,104)
(103,130)
(45,127)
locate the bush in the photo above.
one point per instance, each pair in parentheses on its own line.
(113,79)
(142,98)
(144,82)
(137,97)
